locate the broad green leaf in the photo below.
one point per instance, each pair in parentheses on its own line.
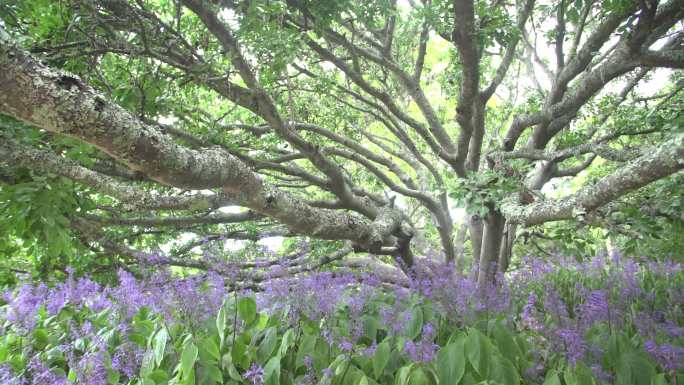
(420,377)
(147,364)
(552,378)
(415,326)
(272,371)
(505,342)
(221,323)
(159,345)
(287,341)
(477,350)
(268,344)
(451,362)
(381,358)
(188,358)
(403,375)
(247,309)
(209,345)
(504,372)
(659,379)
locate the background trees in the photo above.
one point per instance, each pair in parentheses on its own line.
(129,124)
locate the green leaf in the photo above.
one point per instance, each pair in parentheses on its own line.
(634,368)
(221,324)
(268,344)
(552,378)
(403,375)
(272,371)
(504,372)
(209,345)
(478,351)
(420,377)
(247,309)
(214,373)
(287,341)
(147,365)
(188,358)
(159,376)
(580,375)
(659,379)
(159,345)
(415,326)
(451,362)
(505,342)
(40,336)
(381,358)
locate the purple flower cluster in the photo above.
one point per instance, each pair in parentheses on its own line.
(178,300)
(669,356)
(255,374)
(425,349)
(556,303)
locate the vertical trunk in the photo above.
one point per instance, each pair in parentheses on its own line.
(507,246)
(460,248)
(445,235)
(476,227)
(491,244)
(445,226)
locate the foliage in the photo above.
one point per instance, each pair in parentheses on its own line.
(606,321)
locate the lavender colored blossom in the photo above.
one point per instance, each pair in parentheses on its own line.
(573,343)
(346,346)
(670,357)
(421,351)
(127,359)
(7,377)
(528,317)
(255,374)
(23,306)
(42,375)
(91,369)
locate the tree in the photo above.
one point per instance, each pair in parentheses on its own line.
(337,120)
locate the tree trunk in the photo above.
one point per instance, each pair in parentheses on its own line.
(475,227)
(491,244)
(445,234)
(460,247)
(506,251)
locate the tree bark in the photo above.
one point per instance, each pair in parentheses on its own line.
(491,244)
(475,227)
(59,102)
(459,250)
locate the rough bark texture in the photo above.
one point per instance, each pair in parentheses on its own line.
(61,103)
(659,162)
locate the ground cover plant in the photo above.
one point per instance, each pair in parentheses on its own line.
(604,321)
(341,192)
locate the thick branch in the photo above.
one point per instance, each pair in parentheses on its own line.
(661,161)
(61,103)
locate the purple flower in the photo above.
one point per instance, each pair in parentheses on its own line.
(421,351)
(528,316)
(127,359)
(369,351)
(596,308)
(23,306)
(346,346)
(308,362)
(670,357)
(42,375)
(7,377)
(574,344)
(91,369)
(255,374)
